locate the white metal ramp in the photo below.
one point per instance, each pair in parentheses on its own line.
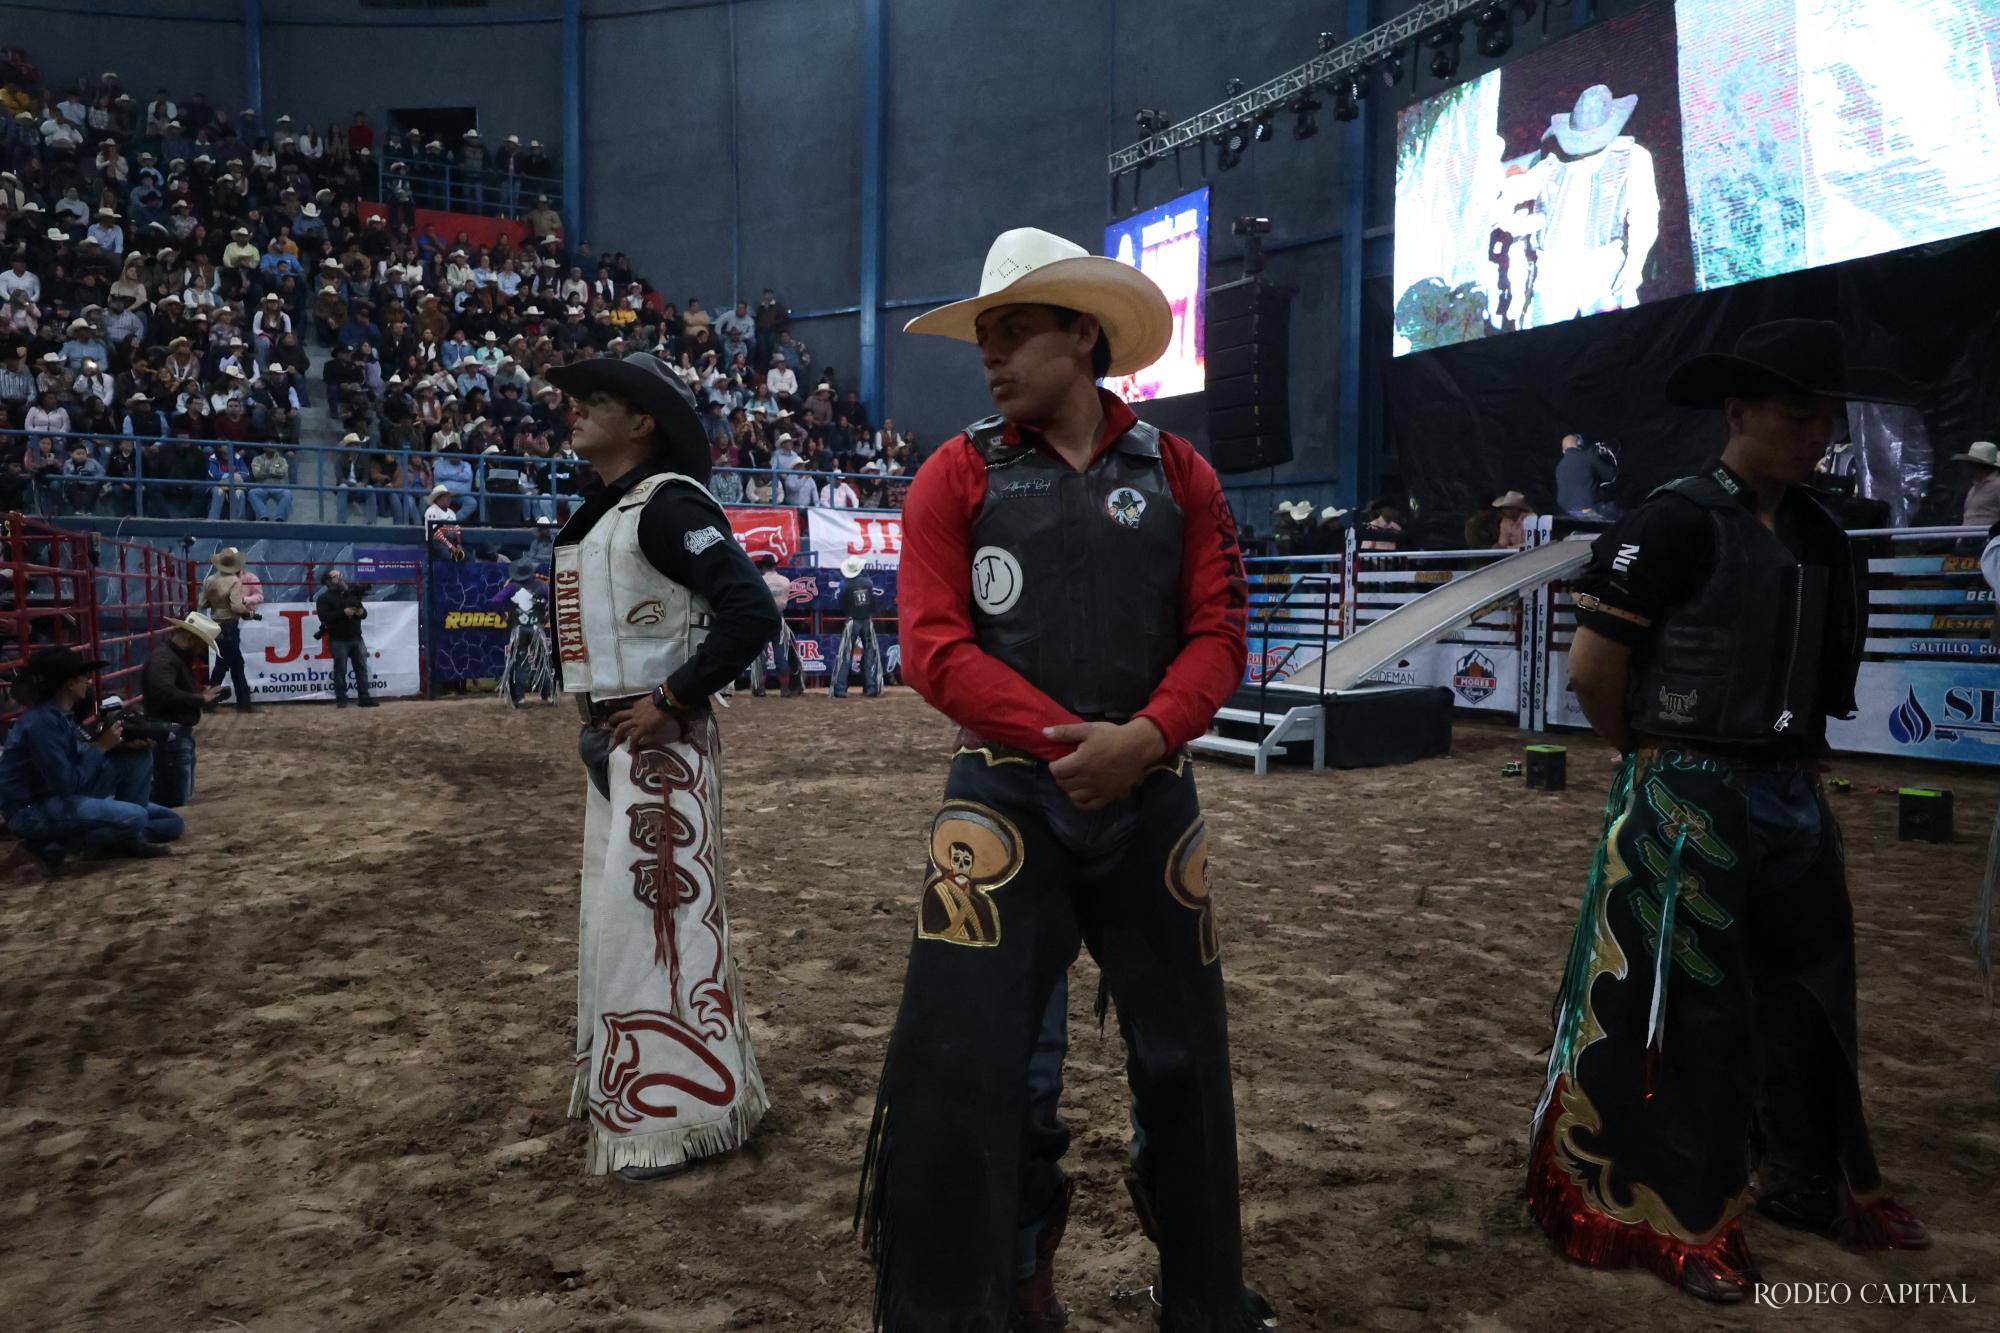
(1434,615)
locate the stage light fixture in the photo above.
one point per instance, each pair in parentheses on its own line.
(1262,130)
(1327,41)
(1345,107)
(1233,88)
(1357,83)
(1151,120)
(1230,143)
(1496,31)
(1305,106)
(1392,67)
(1444,44)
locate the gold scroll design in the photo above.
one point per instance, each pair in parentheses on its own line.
(1591,1172)
(974,850)
(1187,880)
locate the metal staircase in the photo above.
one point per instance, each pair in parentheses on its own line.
(1256,733)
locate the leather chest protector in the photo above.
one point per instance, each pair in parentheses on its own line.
(1076,575)
(1747,658)
(622,626)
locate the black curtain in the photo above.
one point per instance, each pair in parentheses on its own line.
(1469,422)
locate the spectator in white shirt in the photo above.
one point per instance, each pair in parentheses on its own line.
(781,381)
(839,493)
(18,279)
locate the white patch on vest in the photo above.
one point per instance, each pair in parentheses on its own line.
(996,580)
(1125,505)
(697,542)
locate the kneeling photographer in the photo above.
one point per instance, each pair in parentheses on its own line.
(172,699)
(51,772)
(340,615)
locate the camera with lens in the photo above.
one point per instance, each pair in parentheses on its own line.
(138,726)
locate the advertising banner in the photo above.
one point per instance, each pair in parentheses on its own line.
(817,653)
(1479,675)
(472,619)
(284,661)
(1930,710)
(874,535)
(770,530)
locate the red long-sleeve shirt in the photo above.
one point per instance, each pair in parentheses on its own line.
(942,658)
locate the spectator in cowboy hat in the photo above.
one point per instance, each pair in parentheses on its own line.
(172,696)
(1982,496)
(1515,511)
(53,776)
(441,526)
(225,597)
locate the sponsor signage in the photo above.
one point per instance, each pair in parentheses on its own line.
(768,530)
(1932,710)
(875,536)
(284,661)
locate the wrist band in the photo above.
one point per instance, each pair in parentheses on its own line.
(664,700)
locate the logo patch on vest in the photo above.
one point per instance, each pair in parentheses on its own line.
(996,580)
(1678,707)
(646,613)
(697,542)
(1125,505)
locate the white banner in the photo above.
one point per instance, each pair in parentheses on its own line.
(874,535)
(1479,675)
(285,662)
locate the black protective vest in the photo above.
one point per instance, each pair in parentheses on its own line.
(1765,649)
(1076,575)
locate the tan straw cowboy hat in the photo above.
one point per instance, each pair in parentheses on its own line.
(200,624)
(229,560)
(1028,266)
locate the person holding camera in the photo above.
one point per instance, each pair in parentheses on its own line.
(340,615)
(224,597)
(172,697)
(52,771)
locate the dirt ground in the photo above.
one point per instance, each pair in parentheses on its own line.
(310,1072)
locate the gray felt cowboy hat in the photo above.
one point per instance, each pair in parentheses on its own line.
(1786,356)
(1596,120)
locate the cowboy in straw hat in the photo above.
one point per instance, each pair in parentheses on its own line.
(62,790)
(227,596)
(172,696)
(1074,599)
(860,603)
(1982,497)
(656,609)
(1719,624)
(1595,202)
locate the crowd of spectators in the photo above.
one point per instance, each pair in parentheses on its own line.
(167,263)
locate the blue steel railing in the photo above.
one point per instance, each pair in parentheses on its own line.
(444,184)
(245,497)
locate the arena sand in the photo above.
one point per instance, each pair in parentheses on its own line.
(310,1073)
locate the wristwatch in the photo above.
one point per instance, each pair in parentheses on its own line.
(664,700)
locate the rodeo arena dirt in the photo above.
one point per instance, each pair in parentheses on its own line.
(311,1072)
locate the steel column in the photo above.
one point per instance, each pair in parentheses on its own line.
(573,122)
(1356,461)
(874,196)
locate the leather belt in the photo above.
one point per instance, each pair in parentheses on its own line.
(597,712)
(969,739)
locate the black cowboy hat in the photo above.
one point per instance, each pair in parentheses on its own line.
(1786,356)
(646,382)
(52,668)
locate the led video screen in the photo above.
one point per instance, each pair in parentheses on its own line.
(1169,244)
(1687,147)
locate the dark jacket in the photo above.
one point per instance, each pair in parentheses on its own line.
(170,691)
(334,622)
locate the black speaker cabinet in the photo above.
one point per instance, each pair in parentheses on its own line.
(1249,393)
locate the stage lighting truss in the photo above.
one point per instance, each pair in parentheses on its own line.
(1381,44)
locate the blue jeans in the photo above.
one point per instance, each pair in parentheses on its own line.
(66,823)
(220,494)
(229,658)
(271,506)
(127,776)
(349,653)
(173,771)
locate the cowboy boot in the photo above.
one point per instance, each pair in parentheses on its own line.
(1036,1308)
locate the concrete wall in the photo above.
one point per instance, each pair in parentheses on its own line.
(192,46)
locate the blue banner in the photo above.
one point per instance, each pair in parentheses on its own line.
(469,621)
(1931,710)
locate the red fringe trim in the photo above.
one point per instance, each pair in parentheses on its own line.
(1883,1225)
(1589,1237)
